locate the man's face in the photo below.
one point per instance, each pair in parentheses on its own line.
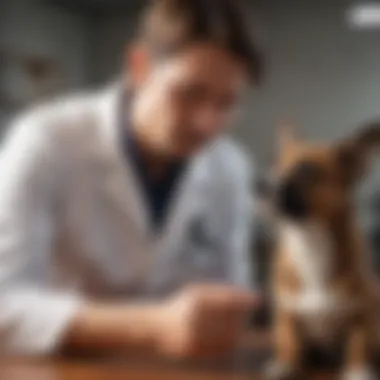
(186,100)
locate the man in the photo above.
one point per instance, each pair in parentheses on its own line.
(124,214)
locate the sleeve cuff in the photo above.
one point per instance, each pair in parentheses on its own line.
(38,321)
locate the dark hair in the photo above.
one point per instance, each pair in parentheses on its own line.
(170,25)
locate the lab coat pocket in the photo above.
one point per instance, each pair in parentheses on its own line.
(200,257)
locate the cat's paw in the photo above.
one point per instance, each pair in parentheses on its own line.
(281,371)
(364,373)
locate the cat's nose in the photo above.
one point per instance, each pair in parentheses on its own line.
(291,200)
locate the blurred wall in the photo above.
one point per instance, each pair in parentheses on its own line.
(112,36)
(32,28)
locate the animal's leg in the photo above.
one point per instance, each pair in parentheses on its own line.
(286,364)
(358,355)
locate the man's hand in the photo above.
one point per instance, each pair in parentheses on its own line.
(203,320)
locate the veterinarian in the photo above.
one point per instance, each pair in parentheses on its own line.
(124,214)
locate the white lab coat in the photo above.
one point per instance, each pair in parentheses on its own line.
(74,225)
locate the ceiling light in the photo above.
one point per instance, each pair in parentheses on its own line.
(365,15)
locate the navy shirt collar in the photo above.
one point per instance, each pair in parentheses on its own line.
(158,192)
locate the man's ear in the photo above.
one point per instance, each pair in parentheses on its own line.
(137,62)
(355,153)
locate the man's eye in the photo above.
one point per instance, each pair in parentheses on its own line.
(191,94)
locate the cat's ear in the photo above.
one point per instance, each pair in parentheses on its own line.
(355,153)
(286,138)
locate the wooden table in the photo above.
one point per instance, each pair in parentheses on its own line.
(239,367)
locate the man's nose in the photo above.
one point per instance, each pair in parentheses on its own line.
(208,121)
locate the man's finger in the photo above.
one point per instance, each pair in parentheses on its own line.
(245,299)
(226,292)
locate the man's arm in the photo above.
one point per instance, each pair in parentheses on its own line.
(101,327)
(31,316)
(35,319)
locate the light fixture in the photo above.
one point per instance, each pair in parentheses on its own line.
(364,15)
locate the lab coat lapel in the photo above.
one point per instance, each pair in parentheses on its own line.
(123,186)
(189,201)
(121,182)
(186,204)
